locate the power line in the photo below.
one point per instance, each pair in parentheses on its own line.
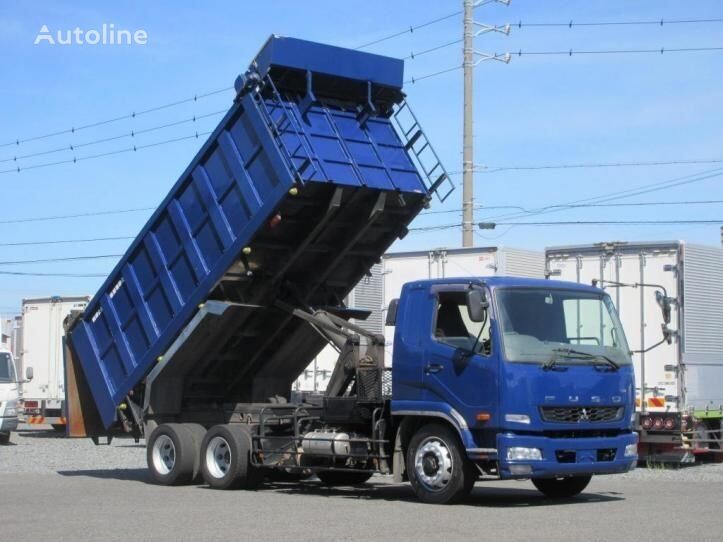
(74,275)
(495,169)
(65,241)
(578,206)
(78,215)
(132,115)
(571,52)
(132,133)
(411,29)
(446,211)
(414,80)
(570,24)
(611,222)
(441,227)
(622,194)
(134,148)
(66,259)
(662,50)
(414,55)
(650,22)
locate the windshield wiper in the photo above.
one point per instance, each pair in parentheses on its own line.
(571,353)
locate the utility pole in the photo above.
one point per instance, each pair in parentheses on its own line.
(471,58)
(468,134)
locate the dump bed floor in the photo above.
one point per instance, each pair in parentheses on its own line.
(293,198)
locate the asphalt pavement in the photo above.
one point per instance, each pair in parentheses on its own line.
(53,488)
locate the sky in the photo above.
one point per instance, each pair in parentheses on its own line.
(537,110)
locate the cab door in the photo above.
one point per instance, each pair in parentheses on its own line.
(453,373)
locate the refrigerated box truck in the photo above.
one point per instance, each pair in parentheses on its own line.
(679,386)
(384,282)
(43,398)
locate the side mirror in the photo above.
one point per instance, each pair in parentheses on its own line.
(391,319)
(668,334)
(476,304)
(28,373)
(665,304)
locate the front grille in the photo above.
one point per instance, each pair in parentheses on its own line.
(592,414)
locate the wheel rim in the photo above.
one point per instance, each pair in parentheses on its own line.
(433,464)
(218,457)
(164,454)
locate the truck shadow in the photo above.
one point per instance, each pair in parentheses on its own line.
(134,475)
(481,496)
(488,497)
(40,433)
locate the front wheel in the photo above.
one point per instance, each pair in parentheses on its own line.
(437,468)
(561,488)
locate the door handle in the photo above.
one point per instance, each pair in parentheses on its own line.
(433,368)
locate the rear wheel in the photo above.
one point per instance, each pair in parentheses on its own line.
(4,438)
(437,468)
(172,454)
(560,488)
(59,427)
(343,478)
(226,458)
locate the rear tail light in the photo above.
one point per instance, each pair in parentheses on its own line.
(669,423)
(658,423)
(30,404)
(646,423)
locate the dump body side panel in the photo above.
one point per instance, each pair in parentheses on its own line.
(293,197)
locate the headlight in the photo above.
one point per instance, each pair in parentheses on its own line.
(517,418)
(631,450)
(517,453)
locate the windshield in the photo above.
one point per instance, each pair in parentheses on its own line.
(562,326)
(7,369)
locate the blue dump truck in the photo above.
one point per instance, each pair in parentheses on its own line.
(238,281)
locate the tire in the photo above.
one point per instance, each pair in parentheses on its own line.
(59,427)
(226,458)
(343,478)
(561,488)
(4,438)
(437,467)
(198,431)
(172,455)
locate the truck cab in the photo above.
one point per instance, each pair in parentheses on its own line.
(9,396)
(533,377)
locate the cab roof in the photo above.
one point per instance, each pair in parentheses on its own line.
(514,282)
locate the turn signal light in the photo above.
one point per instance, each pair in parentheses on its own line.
(483,417)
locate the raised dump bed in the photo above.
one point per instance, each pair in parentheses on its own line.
(300,189)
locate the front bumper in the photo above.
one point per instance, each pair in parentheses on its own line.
(566,456)
(9,423)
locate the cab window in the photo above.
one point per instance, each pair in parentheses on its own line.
(7,370)
(453,327)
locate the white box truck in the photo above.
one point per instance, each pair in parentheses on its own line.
(679,386)
(43,398)
(386,278)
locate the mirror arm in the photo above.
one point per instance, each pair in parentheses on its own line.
(649,348)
